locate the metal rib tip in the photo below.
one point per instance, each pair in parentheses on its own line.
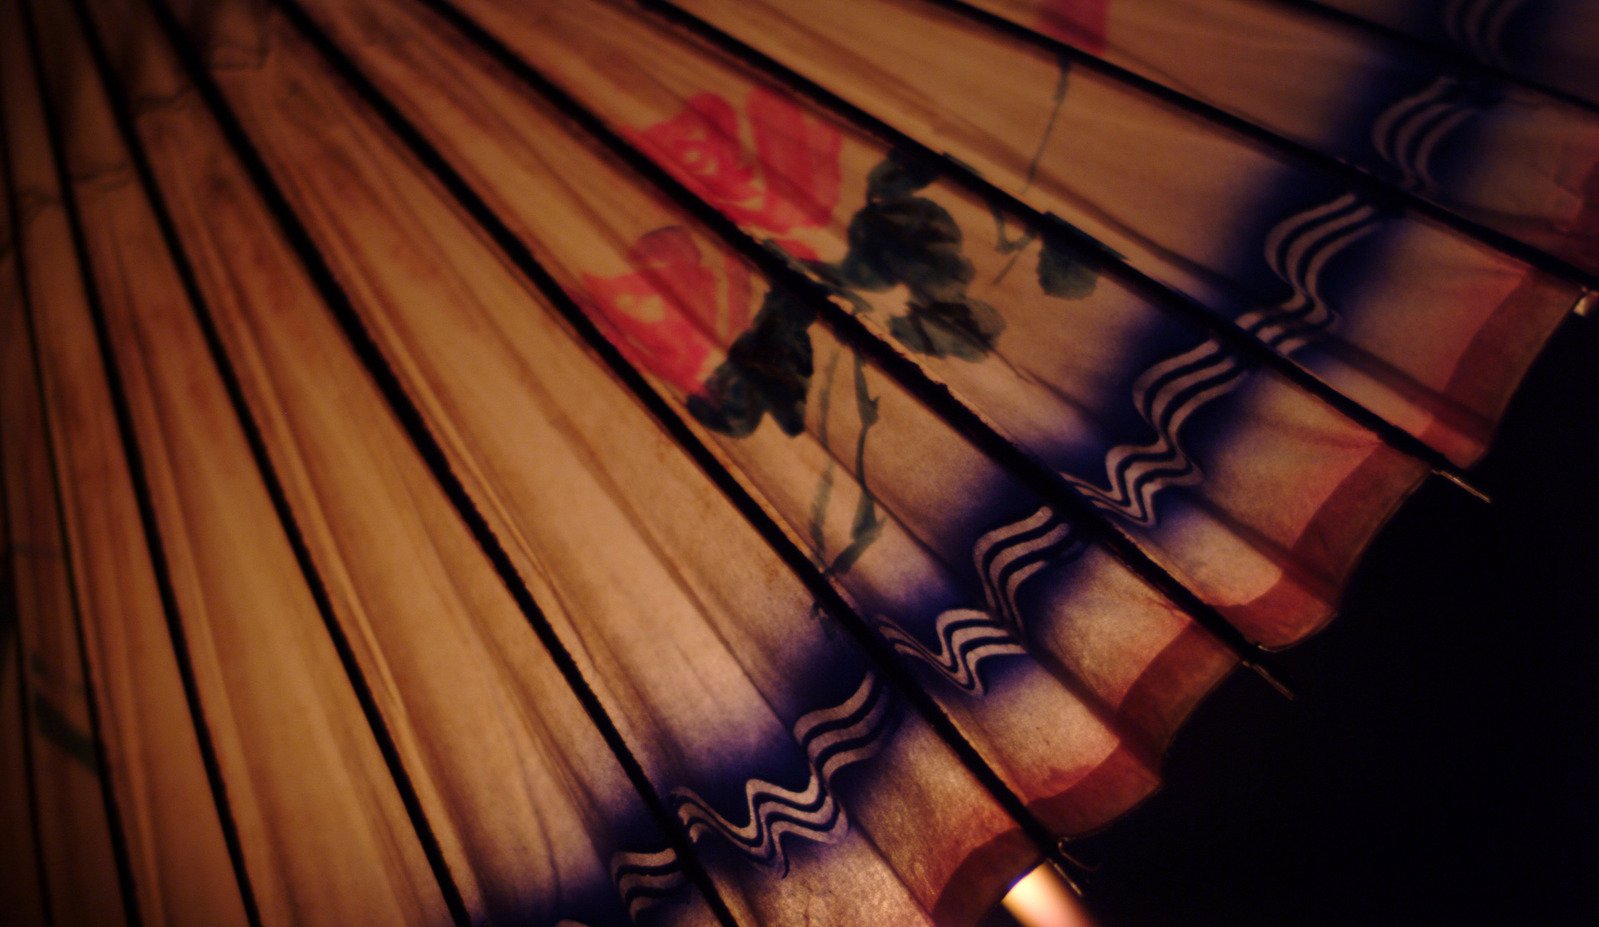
(1459,479)
(1063,846)
(1271,680)
(1064,876)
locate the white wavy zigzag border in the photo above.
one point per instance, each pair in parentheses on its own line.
(1167,395)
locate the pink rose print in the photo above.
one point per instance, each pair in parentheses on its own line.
(667,316)
(790,180)
(1080,23)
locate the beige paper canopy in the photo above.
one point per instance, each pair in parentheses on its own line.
(742,463)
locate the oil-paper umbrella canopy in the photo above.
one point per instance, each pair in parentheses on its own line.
(741,463)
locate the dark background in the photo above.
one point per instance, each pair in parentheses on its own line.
(1441,762)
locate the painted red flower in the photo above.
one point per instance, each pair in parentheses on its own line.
(789,181)
(1080,23)
(668,315)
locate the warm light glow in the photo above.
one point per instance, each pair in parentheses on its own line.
(1043,899)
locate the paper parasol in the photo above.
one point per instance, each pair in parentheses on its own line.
(710,462)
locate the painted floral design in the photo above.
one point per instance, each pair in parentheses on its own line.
(788,180)
(1080,23)
(901,238)
(773,169)
(663,315)
(670,316)
(767,371)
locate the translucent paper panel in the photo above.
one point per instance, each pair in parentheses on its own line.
(549,463)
